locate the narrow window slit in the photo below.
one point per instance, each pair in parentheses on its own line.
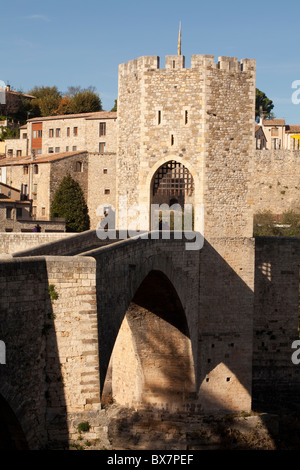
(159,118)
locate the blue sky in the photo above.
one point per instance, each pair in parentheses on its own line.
(81,43)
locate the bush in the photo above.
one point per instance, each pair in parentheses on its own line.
(266,225)
(83,427)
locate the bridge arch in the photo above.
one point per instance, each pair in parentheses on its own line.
(152,363)
(12,435)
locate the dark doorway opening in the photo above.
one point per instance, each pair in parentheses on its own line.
(11,434)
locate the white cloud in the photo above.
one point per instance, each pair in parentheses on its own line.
(37,17)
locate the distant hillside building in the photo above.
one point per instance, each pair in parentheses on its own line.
(13,101)
(91,132)
(279,135)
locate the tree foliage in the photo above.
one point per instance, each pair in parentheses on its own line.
(266,224)
(115,108)
(46,101)
(262,101)
(50,101)
(82,100)
(9,133)
(69,203)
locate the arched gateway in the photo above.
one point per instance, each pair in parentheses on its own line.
(172,185)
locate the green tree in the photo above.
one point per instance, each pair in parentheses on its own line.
(82,100)
(69,203)
(266,225)
(262,101)
(46,102)
(291,219)
(115,108)
(8,133)
(263,224)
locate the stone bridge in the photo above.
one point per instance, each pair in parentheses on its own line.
(144,322)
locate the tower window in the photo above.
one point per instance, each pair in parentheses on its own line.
(173,64)
(186,117)
(172,139)
(159,117)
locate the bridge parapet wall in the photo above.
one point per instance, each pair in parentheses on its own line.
(14,242)
(51,377)
(276,379)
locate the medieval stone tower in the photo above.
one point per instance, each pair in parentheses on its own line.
(185,135)
(200,120)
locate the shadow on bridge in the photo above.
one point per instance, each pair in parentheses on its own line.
(32,405)
(185,316)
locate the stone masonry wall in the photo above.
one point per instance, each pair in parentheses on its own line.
(101,184)
(275,180)
(276,380)
(60,168)
(202,125)
(226,323)
(229,139)
(51,376)
(13,242)
(76,336)
(16,145)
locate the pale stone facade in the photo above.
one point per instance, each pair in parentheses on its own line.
(38,178)
(278,135)
(274,181)
(101,185)
(17,147)
(200,117)
(93,132)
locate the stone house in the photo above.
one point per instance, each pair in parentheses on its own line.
(292,137)
(38,177)
(260,137)
(13,101)
(92,132)
(274,130)
(279,135)
(16,213)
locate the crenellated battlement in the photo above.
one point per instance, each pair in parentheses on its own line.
(177,62)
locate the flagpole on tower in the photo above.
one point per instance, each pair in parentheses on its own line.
(179,40)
